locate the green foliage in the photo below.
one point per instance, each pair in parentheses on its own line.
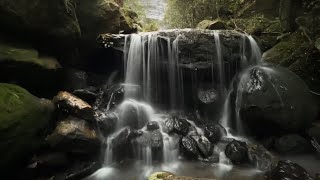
(188,13)
(136,6)
(151,25)
(139,8)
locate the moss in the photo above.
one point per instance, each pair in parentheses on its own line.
(283,51)
(22,116)
(11,53)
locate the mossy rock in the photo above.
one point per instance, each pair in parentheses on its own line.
(265,29)
(27,55)
(296,53)
(22,119)
(42,76)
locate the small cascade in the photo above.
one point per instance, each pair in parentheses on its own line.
(109,152)
(146,60)
(175,75)
(256,55)
(220,63)
(170,153)
(255,59)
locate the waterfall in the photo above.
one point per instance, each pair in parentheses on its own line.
(146,61)
(154,77)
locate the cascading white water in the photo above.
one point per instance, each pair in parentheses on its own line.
(220,63)
(175,75)
(256,55)
(109,152)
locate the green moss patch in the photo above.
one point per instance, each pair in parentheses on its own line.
(22,117)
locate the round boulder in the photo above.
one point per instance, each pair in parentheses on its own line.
(273,100)
(214,132)
(237,152)
(188,147)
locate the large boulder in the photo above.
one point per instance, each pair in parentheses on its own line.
(288,170)
(273,100)
(22,119)
(74,106)
(75,136)
(24,66)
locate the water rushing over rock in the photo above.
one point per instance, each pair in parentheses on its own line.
(167,74)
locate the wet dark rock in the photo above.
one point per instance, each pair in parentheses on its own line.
(260,157)
(208,96)
(120,144)
(177,125)
(214,132)
(292,144)
(189,147)
(86,94)
(74,106)
(204,146)
(135,133)
(156,139)
(111,97)
(288,170)
(106,121)
(271,97)
(75,136)
(181,126)
(152,125)
(121,138)
(237,152)
(200,43)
